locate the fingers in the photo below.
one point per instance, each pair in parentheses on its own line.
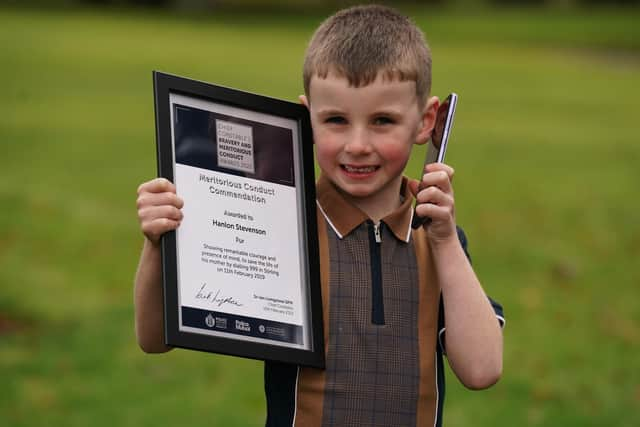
(440,178)
(432,167)
(157,220)
(158,208)
(435,204)
(435,193)
(154,229)
(157,185)
(437,167)
(158,199)
(151,213)
(158,192)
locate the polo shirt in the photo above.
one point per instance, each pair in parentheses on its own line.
(383,317)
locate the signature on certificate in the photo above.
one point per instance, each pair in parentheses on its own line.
(214,297)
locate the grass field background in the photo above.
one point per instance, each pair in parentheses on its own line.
(546,149)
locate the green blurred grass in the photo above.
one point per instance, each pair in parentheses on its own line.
(546,151)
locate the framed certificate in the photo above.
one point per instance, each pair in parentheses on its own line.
(241,273)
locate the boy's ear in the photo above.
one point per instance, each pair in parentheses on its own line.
(427,120)
(304,101)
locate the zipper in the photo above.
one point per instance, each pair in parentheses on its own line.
(377,297)
(376,232)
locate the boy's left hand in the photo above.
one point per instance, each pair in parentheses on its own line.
(434,195)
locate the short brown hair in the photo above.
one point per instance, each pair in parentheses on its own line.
(362,41)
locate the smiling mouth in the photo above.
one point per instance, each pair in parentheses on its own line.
(359,169)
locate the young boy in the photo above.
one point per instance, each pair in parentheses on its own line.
(388,291)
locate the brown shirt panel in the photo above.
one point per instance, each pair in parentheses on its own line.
(428,330)
(311,381)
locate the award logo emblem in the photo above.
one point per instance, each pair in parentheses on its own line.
(243,326)
(210,321)
(235,146)
(221,322)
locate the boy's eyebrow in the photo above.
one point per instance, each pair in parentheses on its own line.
(379,112)
(388,111)
(330,111)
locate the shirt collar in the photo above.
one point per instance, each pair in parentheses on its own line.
(344,217)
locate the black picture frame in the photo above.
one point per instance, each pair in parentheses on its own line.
(284,343)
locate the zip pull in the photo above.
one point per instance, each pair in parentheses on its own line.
(376,232)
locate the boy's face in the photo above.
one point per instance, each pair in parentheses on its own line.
(364,135)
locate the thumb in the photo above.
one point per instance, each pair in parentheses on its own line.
(413,186)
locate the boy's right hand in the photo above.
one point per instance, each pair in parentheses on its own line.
(158,208)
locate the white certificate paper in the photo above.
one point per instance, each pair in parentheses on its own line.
(239,247)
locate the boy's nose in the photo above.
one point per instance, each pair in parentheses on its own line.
(358,142)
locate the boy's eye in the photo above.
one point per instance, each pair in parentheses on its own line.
(383,120)
(336,120)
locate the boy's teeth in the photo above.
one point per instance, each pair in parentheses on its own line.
(365,169)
